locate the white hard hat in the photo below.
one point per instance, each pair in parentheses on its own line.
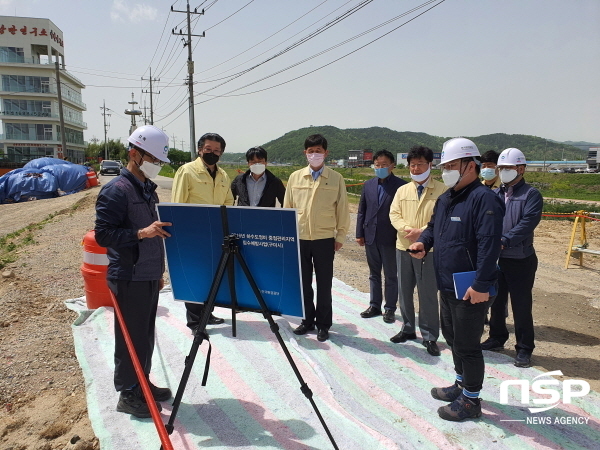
(457,148)
(511,157)
(152,140)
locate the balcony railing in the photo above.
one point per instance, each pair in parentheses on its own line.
(45,115)
(28,137)
(14,59)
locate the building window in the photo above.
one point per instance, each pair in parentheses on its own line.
(21,83)
(12,55)
(39,108)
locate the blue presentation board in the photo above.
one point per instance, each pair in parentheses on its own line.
(268,242)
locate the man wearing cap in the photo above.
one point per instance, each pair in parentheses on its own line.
(410,212)
(127,224)
(257,186)
(203,182)
(489,171)
(518,261)
(465,228)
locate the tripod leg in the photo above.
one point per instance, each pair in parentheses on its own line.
(231,277)
(199,336)
(275,329)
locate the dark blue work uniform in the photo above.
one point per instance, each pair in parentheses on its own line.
(518,264)
(466,228)
(135,268)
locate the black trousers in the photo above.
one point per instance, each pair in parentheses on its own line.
(516,278)
(462,327)
(137,301)
(318,254)
(382,256)
(193,314)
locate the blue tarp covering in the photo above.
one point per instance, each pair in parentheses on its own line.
(42,178)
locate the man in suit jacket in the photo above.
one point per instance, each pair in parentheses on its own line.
(375,232)
(257,186)
(410,212)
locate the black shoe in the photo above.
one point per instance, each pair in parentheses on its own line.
(389,316)
(460,409)
(492,344)
(447,394)
(132,401)
(523,359)
(160,394)
(323,335)
(402,337)
(371,311)
(213,320)
(303,329)
(432,348)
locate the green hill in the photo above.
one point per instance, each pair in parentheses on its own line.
(288,148)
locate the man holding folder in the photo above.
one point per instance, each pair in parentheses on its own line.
(466,229)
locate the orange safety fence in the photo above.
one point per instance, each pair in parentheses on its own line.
(160,427)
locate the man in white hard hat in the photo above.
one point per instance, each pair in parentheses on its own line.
(518,261)
(127,224)
(465,228)
(202,181)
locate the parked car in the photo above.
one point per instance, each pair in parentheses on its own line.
(590,170)
(555,171)
(110,167)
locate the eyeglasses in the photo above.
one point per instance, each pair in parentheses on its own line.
(153,160)
(419,166)
(209,150)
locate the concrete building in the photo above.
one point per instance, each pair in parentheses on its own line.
(29,113)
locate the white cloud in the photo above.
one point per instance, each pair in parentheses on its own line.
(7,7)
(138,12)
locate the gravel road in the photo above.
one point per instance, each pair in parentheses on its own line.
(42,395)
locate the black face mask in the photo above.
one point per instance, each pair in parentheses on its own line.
(210,158)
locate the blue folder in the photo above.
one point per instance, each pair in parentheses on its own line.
(464,280)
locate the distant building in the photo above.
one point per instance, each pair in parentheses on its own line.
(592,158)
(360,158)
(29,115)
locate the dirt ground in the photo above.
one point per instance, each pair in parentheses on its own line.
(42,392)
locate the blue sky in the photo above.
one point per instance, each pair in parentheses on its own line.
(466,67)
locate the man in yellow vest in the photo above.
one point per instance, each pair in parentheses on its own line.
(410,212)
(203,182)
(319,195)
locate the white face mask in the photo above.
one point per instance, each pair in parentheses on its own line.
(488,173)
(149,169)
(422,176)
(506,176)
(315,159)
(450,177)
(257,169)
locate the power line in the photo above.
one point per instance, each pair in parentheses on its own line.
(325,65)
(231,15)
(296,44)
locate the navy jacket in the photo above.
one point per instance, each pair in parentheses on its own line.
(274,190)
(523,214)
(125,205)
(466,228)
(373,220)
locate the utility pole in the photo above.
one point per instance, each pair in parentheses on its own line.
(104,109)
(182,147)
(145,114)
(152,93)
(60,110)
(174,142)
(190,78)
